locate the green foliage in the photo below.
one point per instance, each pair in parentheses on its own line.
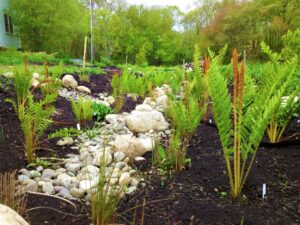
(291,42)
(118,92)
(185,117)
(63,33)
(64,132)
(100,111)
(82,110)
(106,199)
(14,57)
(22,84)
(140,58)
(240,139)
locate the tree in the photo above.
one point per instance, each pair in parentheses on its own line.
(51,25)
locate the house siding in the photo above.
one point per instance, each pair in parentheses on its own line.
(7,40)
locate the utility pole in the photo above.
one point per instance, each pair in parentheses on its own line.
(92,31)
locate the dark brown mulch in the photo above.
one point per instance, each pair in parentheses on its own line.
(194,195)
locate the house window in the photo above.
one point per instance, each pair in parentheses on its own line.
(8,24)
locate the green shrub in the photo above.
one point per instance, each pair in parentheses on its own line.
(100,111)
(291,42)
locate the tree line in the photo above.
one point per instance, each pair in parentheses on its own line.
(157,35)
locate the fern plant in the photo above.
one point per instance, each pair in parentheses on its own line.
(284,112)
(35,119)
(185,118)
(241,136)
(82,110)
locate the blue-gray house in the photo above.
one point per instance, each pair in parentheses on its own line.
(8,37)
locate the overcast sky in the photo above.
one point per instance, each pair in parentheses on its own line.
(184,5)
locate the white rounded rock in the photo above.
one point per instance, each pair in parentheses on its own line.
(124,179)
(68,81)
(10,217)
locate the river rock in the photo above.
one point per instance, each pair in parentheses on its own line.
(48,188)
(132,146)
(83,89)
(124,179)
(119,156)
(77,193)
(143,120)
(9,216)
(68,81)
(65,141)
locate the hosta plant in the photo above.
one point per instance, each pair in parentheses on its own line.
(240,136)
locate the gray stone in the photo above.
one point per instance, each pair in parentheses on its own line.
(65,141)
(143,121)
(88,184)
(64,192)
(48,188)
(22,178)
(40,169)
(48,173)
(70,183)
(73,167)
(83,89)
(77,193)
(68,81)
(124,179)
(32,186)
(134,182)
(119,156)
(25,172)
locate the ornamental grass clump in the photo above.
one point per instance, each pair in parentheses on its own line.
(118,92)
(240,136)
(105,200)
(8,196)
(82,110)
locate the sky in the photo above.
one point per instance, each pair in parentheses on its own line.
(184,5)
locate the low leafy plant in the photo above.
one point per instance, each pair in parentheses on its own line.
(64,132)
(82,110)
(100,111)
(240,136)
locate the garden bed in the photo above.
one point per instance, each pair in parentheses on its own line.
(198,195)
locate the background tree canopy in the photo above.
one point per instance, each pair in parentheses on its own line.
(157,35)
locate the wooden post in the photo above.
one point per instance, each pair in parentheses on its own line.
(84,52)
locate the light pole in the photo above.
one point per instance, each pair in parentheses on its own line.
(92,31)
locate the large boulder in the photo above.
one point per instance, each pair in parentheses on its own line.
(132,146)
(68,81)
(143,119)
(10,217)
